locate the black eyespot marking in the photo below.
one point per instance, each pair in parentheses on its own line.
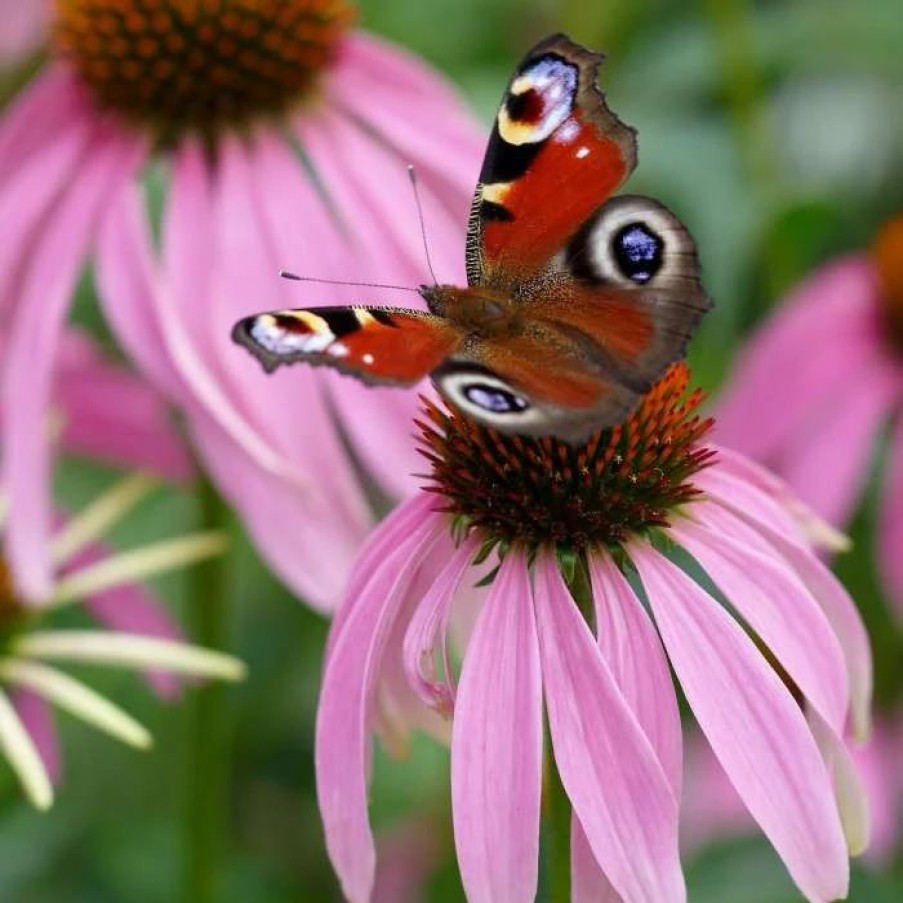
(493,399)
(638,252)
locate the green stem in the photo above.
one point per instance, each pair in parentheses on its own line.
(558,833)
(208,754)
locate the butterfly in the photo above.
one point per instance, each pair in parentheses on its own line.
(576,301)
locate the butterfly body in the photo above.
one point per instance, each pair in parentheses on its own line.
(576,301)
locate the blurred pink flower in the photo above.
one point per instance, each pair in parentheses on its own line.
(818,383)
(111,415)
(611,707)
(184,181)
(711,810)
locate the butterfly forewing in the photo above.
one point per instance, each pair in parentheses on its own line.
(556,152)
(379,345)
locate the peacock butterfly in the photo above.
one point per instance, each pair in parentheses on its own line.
(576,301)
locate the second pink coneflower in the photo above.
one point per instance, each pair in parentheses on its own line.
(609,564)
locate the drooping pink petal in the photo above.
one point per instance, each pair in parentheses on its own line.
(38,116)
(37,716)
(829,466)
(877,762)
(832,319)
(611,773)
(294,529)
(111,414)
(27,198)
(344,715)
(633,651)
(128,287)
(754,503)
(307,237)
(496,755)
(396,108)
(428,627)
(828,592)
(588,881)
(849,790)
(778,608)
(28,369)
(754,726)
(404,519)
(890,527)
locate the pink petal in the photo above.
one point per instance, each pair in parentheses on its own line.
(27,196)
(111,414)
(849,790)
(129,287)
(778,608)
(588,881)
(378,422)
(611,773)
(344,715)
(890,528)
(295,530)
(222,394)
(496,757)
(53,270)
(37,716)
(396,109)
(633,651)
(428,628)
(754,726)
(832,320)
(828,592)
(830,464)
(40,114)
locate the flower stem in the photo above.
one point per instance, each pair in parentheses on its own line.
(558,856)
(208,754)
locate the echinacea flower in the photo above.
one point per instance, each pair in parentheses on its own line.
(609,562)
(177,155)
(817,384)
(138,635)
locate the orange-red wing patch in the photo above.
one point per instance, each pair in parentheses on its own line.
(555,155)
(378,345)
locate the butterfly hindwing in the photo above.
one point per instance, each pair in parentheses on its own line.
(555,154)
(380,345)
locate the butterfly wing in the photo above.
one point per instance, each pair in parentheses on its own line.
(555,154)
(379,345)
(613,284)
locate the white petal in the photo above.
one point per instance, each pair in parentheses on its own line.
(137,565)
(77,699)
(93,521)
(24,758)
(131,651)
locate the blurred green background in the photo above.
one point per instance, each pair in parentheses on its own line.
(775,130)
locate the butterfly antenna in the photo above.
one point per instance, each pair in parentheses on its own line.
(412,175)
(285,274)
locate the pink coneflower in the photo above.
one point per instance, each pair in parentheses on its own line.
(23,25)
(595,594)
(181,153)
(818,383)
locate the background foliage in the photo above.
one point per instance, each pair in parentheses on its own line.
(775,130)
